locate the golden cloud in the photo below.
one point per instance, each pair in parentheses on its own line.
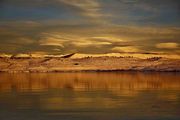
(106,38)
(53,39)
(167,45)
(126,49)
(52,42)
(90,43)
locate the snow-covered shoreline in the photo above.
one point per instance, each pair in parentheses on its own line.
(106,63)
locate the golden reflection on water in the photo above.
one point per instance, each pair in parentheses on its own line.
(113,94)
(88,81)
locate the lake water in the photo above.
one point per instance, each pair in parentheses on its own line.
(90,96)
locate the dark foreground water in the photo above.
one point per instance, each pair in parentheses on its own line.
(90,96)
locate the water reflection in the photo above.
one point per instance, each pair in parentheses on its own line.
(88,81)
(126,95)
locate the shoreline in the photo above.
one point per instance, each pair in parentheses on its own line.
(93,71)
(89,64)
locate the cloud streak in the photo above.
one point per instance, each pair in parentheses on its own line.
(126,49)
(90,8)
(167,45)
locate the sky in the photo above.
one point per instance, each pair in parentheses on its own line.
(89,26)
